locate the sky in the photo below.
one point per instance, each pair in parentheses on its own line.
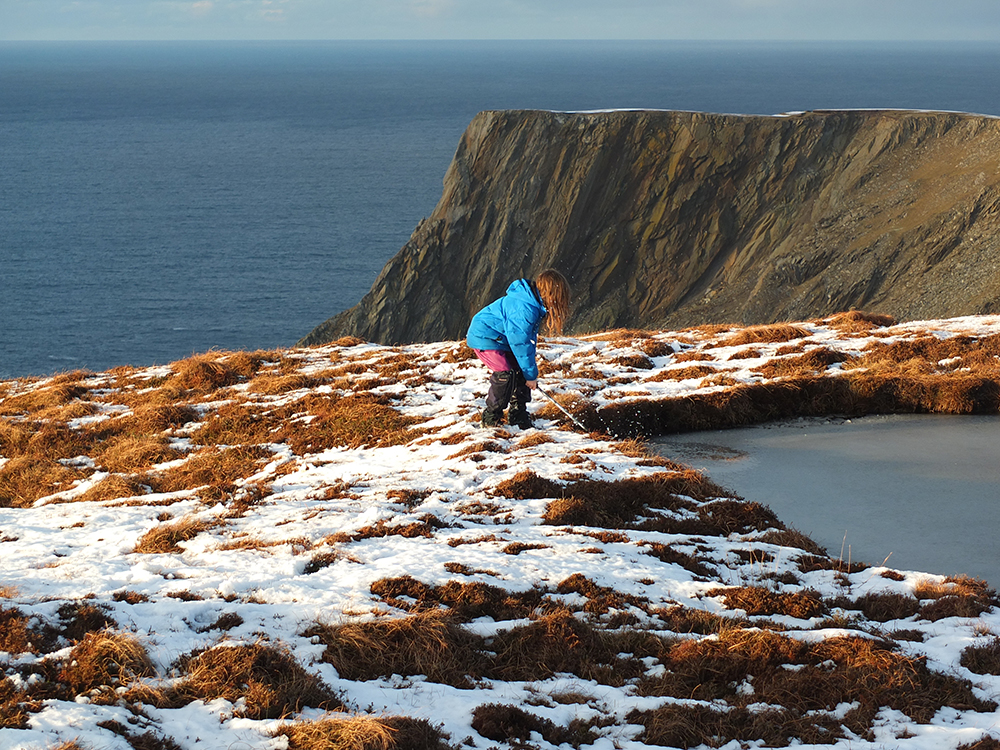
(903,20)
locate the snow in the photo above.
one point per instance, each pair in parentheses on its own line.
(60,551)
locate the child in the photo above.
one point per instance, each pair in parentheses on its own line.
(503,335)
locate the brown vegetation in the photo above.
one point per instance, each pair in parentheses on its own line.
(766,334)
(355,421)
(465,601)
(755,600)
(14,635)
(831,672)
(269,679)
(105,659)
(25,479)
(166,537)
(364,733)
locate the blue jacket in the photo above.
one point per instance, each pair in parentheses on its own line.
(511,325)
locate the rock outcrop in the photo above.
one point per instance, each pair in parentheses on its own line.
(668,219)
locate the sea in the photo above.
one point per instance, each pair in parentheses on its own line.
(160,199)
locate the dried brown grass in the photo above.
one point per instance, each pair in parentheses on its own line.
(557,642)
(815,360)
(132,454)
(364,733)
(425,526)
(686,726)
(166,537)
(78,618)
(12,712)
(25,479)
(498,721)
(204,372)
(668,554)
(268,679)
(465,601)
(426,643)
(41,398)
(106,659)
(355,421)
(765,334)
(113,487)
(237,424)
(959,596)
(756,600)
(982,658)
(639,502)
(858,321)
(274,384)
(690,372)
(791,538)
(827,674)
(14,635)
(213,467)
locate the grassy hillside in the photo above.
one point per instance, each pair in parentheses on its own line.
(320,548)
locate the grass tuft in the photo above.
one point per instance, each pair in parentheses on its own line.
(427,643)
(268,679)
(25,479)
(166,537)
(364,733)
(106,659)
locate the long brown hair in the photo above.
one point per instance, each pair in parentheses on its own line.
(554,290)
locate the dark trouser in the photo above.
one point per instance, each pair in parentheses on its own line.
(508,387)
(507,383)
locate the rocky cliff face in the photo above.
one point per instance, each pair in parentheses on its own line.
(676,218)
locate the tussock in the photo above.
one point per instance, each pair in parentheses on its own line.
(237,424)
(12,713)
(113,487)
(215,467)
(205,372)
(427,643)
(354,421)
(38,399)
(755,600)
(767,334)
(883,607)
(266,677)
(465,601)
(131,454)
(498,721)
(77,619)
(425,526)
(832,672)
(364,733)
(25,479)
(106,659)
(167,537)
(982,659)
(14,636)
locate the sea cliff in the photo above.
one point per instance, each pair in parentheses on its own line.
(679,218)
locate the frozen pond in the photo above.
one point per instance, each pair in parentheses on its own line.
(924,489)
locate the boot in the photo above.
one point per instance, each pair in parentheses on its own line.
(491,418)
(519,416)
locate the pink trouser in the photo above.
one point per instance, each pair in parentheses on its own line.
(497,361)
(507,383)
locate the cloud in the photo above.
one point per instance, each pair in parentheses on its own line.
(202,7)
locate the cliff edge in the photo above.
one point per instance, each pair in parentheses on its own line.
(668,219)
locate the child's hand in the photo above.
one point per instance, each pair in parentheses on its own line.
(532,384)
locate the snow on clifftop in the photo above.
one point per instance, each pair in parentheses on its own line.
(337,515)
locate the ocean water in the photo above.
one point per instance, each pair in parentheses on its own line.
(162,199)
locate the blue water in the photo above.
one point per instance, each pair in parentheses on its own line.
(160,199)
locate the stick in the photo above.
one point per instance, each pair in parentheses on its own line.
(559,407)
